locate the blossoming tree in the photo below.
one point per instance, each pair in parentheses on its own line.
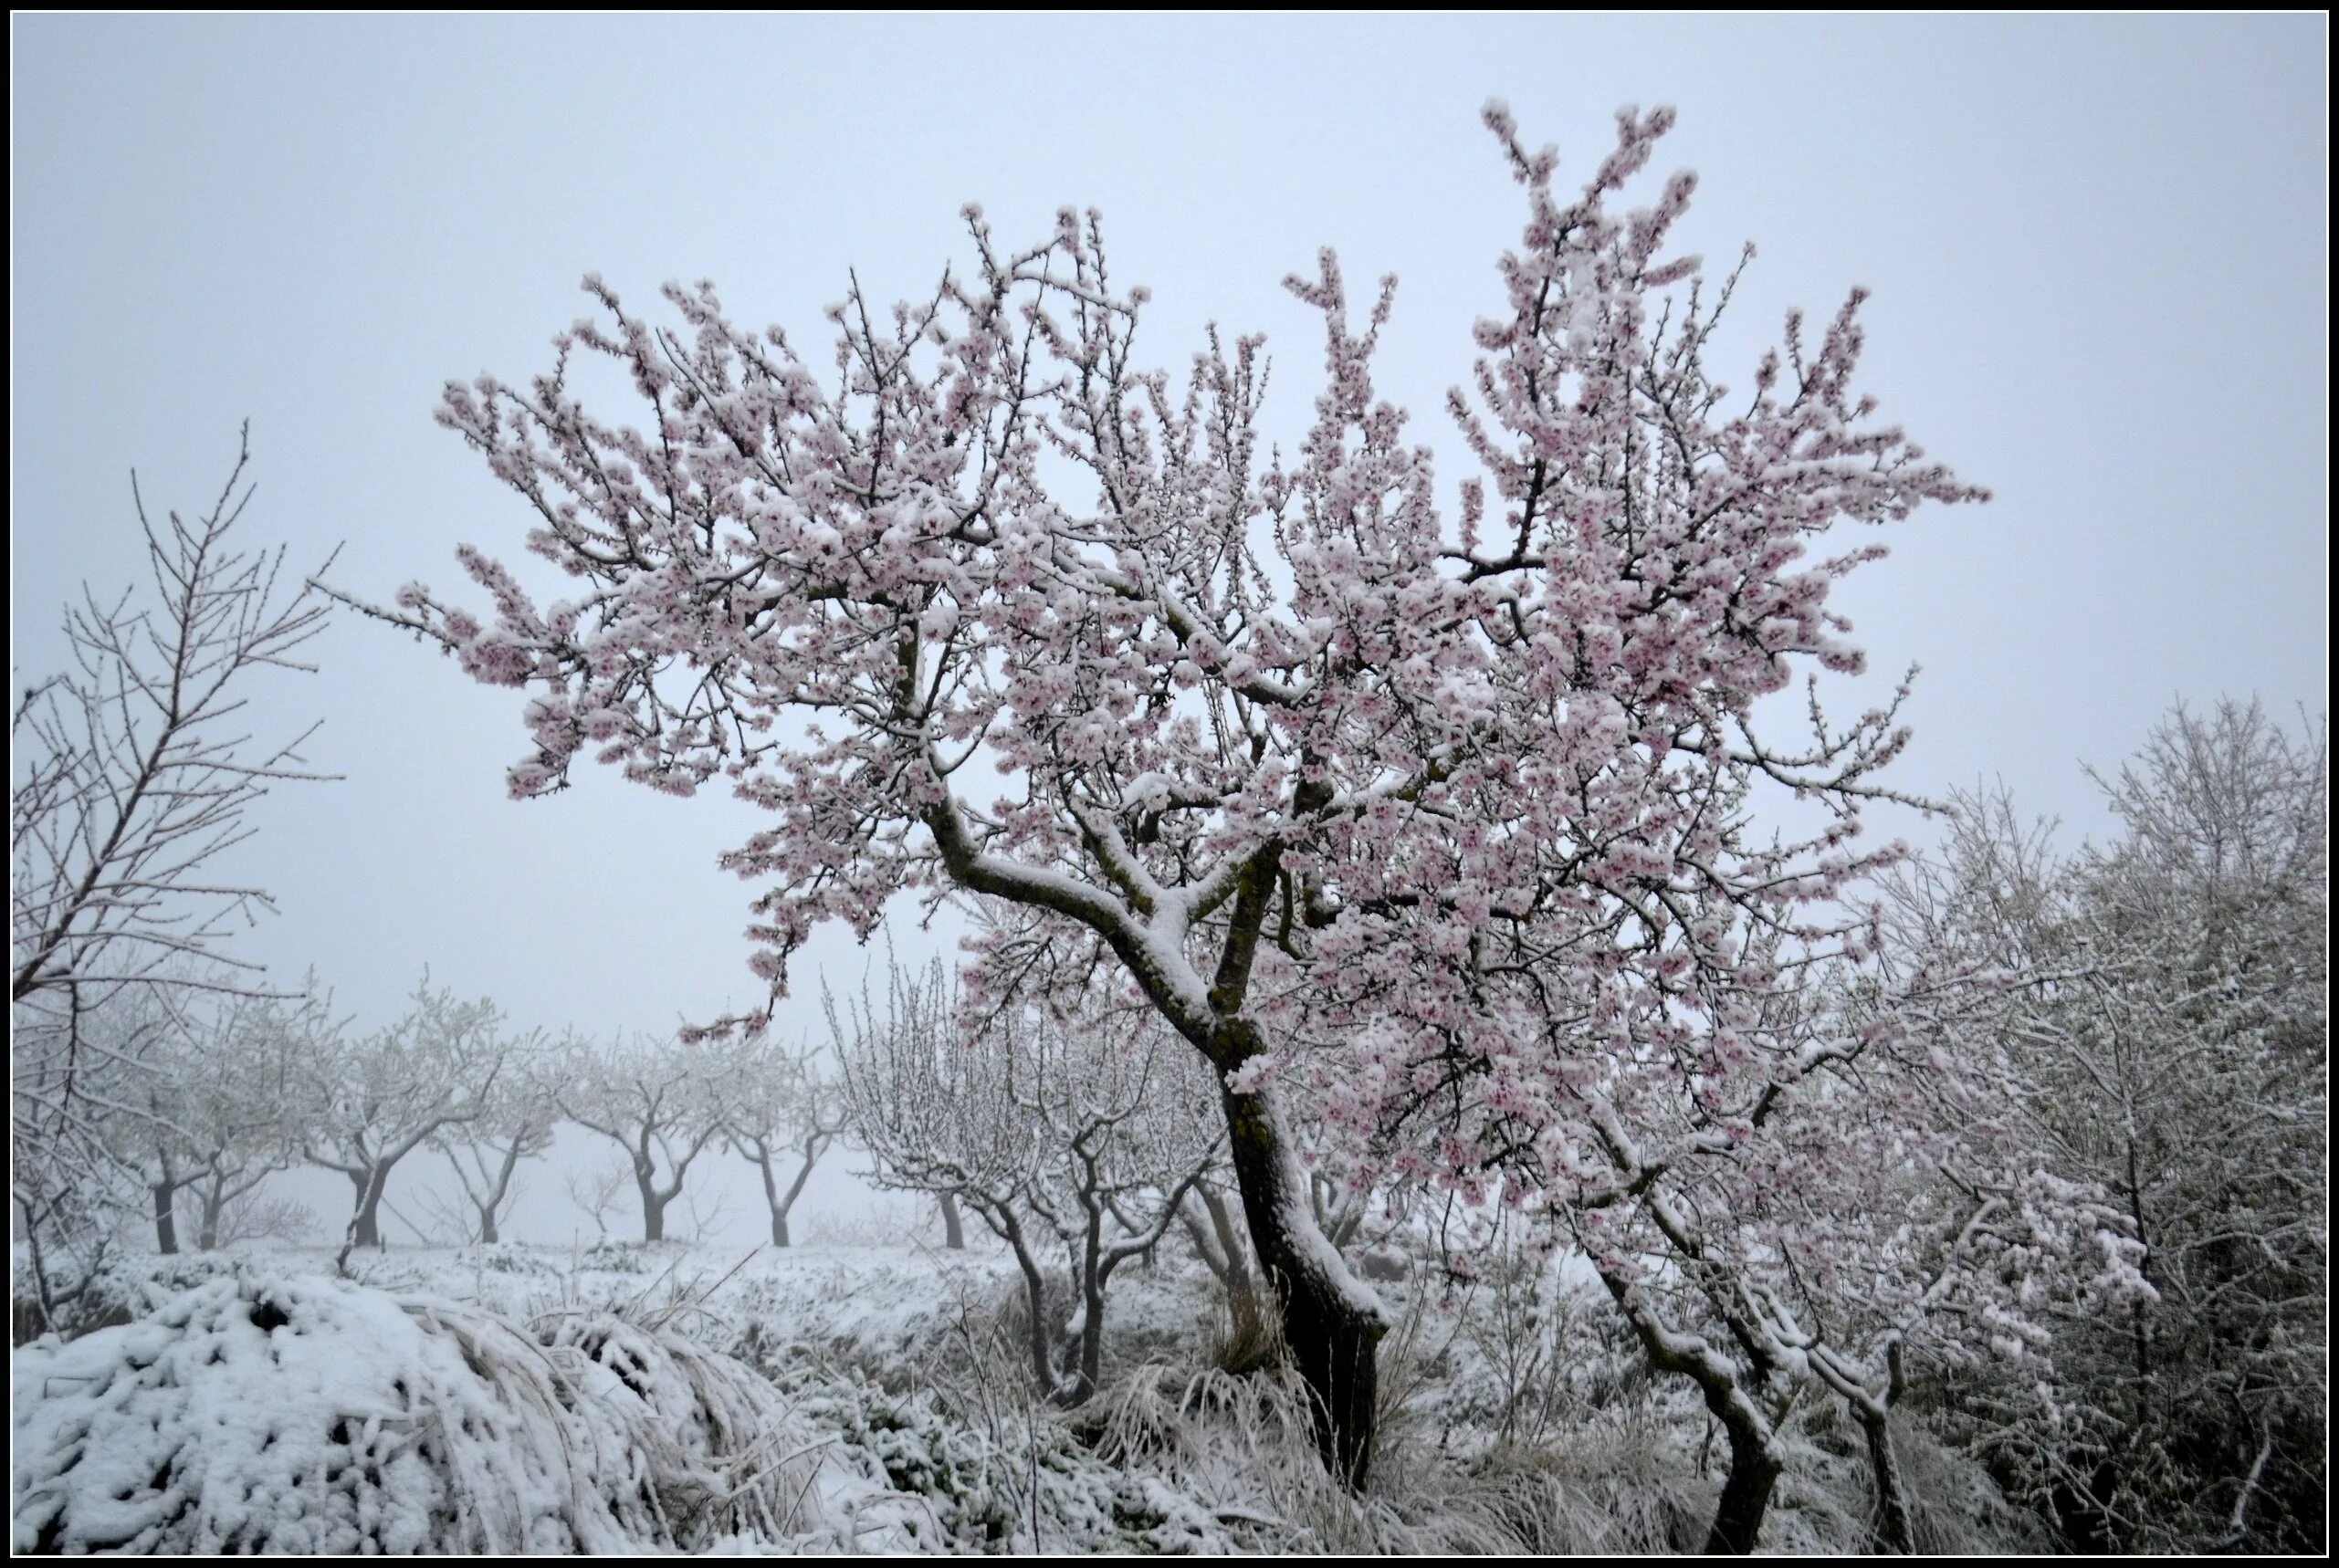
(1311,754)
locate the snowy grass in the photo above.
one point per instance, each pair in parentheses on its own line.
(655,1397)
(270,1412)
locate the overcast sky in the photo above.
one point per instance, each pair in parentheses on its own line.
(2097,248)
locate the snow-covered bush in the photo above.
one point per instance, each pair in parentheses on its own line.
(260,1412)
(878,1400)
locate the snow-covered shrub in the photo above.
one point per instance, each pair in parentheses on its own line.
(268,1412)
(1237,1337)
(1020,1480)
(123,1287)
(711,1416)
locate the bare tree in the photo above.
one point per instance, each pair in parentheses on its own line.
(661,1101)
(372,1101)
(222,1115)
(516,1124)
(486,1170)
(599,1189)
(1085,1132)
(131,775)
(2166,1021)
(782,1110)
(257,1217)
(1218,1241)
(77,1081)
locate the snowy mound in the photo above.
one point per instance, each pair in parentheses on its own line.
(263,1413)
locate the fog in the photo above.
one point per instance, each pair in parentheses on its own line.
(2096,248)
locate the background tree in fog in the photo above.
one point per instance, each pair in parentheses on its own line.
(1075,1138)
(784,1115)
(516,1126)
(661,1100)
(368,1101)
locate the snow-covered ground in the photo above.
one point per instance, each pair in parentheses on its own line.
(835,1398)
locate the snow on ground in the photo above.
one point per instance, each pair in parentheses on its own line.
(671,1398)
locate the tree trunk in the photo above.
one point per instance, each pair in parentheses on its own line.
(1002,1219)
(166,1219)
(653,1208)
(1895,1525)
(370,1214)
(494,1198)
(954,1230)
(1332,1326)
(1233,1264)
(215,1203)
(1745,1494)
(1329,1328)
(1091,1285)
(761,1159)
(366,1223)
(1754,1467)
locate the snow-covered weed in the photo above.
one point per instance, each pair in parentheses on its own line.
(270,1413)
(646,1398)
(730,1455)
